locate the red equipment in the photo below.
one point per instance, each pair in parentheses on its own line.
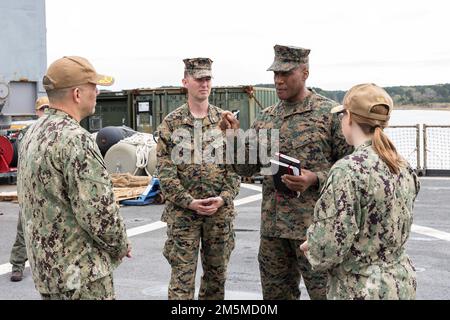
(6,155)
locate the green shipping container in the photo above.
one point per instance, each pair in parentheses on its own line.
(144,109)
(112,109)
(250,101)
(150,106)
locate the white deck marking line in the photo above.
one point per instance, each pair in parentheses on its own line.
(434,178)
(248,199)
(251,187)
(435,188)
(6,267)
(145,228)
(431,232)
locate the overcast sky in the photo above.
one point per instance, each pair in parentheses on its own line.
(142,43)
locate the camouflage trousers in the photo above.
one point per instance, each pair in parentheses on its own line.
(19,250)
(101,289)
(281,265)
(181,251)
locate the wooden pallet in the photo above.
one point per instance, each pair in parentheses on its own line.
(8,196)
(126,180)
(128,193)
(127,186)
(120,193)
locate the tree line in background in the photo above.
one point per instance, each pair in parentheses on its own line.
(424,96)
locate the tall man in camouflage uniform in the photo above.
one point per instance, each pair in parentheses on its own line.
(199,189)
(74,233)
(308,132)
(19,250)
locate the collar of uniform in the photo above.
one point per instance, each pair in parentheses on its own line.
(299,107)
(364,145)
(212,117)
(57,112)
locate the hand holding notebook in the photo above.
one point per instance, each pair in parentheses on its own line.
(284,165)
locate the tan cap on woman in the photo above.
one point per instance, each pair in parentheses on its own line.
(362,98)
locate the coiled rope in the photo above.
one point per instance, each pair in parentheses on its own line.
(144,142)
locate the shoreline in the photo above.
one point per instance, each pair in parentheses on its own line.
(443,108)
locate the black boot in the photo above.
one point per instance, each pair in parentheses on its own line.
(16,276)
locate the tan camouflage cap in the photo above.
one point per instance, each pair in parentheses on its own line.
(198,67)
(361,99)
(71,71)
(288,58)
(41,102)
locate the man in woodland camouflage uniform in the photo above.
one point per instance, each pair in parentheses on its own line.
(19,250)
(74,233)
(199,189)
(308,132)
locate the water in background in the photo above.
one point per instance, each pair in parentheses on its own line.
(413,117)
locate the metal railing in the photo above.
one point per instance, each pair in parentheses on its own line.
(407,142)
(426,148)
(436,149)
